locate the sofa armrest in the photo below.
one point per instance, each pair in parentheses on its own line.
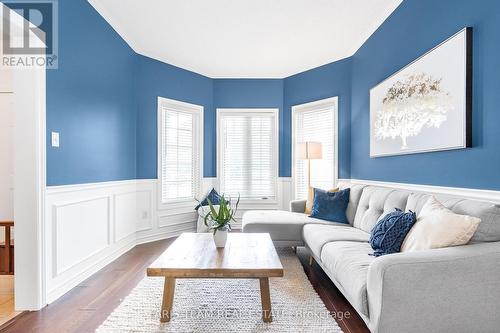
(298,206)
(454,289)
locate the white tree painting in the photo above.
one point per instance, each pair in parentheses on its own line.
(426,106)
(411,105)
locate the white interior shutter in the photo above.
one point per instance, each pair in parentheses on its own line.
(316,125)
(248,154)
(180,154)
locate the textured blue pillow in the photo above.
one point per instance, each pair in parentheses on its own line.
(389,233)
(330,206)
(214,198)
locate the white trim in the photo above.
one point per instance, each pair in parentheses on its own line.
(319,104)
(92,186)
(198,111)
(467,193)
(249,111)
(29,178)
(164,235)
(100,263)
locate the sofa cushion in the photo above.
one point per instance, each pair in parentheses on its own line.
(376,202)
(354,197)
(489,213)
(330,206)
(347,263)
(213,196)
(389,233)
(310,198)
(317,235)
(437,227)
(281,225)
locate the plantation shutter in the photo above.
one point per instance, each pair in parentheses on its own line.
(180,153)
(248,154)
(317,125)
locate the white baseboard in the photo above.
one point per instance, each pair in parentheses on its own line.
(100,262)
(467,193)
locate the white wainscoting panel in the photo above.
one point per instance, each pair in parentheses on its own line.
(80,230)
(90,225)
(144,210)
(86,227)
(125,215)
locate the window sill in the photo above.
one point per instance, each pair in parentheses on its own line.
(178,204)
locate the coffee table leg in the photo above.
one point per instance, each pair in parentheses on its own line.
(168,299)
(265,298)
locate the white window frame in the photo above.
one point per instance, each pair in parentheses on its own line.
(185,107)
(317,105)
(220,173)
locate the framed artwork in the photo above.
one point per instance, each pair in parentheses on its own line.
(427,105)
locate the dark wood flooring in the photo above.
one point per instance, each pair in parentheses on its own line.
(85,307)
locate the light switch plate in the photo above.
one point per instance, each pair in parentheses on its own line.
(55,139)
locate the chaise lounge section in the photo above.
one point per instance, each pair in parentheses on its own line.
(454,289)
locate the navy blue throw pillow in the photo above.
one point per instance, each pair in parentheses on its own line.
(330,206)
(388,234)
(214,198)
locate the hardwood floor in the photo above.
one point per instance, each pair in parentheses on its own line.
(85,307)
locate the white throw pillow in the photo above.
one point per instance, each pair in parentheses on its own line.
(438,227)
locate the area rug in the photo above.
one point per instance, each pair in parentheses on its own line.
(226,305)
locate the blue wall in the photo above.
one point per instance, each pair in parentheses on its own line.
(154,78)
(253,93)
(90,101)
(415,27)
(102,99)
(326,81)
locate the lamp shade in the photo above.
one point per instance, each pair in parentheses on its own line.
(309,151)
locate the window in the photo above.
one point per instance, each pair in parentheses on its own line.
(180,150)
(248,152)
(315,122)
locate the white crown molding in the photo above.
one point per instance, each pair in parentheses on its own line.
(467,193)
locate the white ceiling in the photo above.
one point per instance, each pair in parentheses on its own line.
(246,38)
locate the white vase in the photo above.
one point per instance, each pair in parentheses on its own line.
(220,238)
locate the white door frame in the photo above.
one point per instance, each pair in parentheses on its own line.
(29,179)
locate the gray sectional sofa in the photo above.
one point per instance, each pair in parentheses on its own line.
(442,290)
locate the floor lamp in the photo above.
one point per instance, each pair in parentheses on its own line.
(309,151)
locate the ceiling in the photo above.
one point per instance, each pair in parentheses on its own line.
(246,38)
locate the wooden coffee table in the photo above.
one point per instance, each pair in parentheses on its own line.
(246,256)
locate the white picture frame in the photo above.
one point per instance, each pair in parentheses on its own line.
(426,106)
